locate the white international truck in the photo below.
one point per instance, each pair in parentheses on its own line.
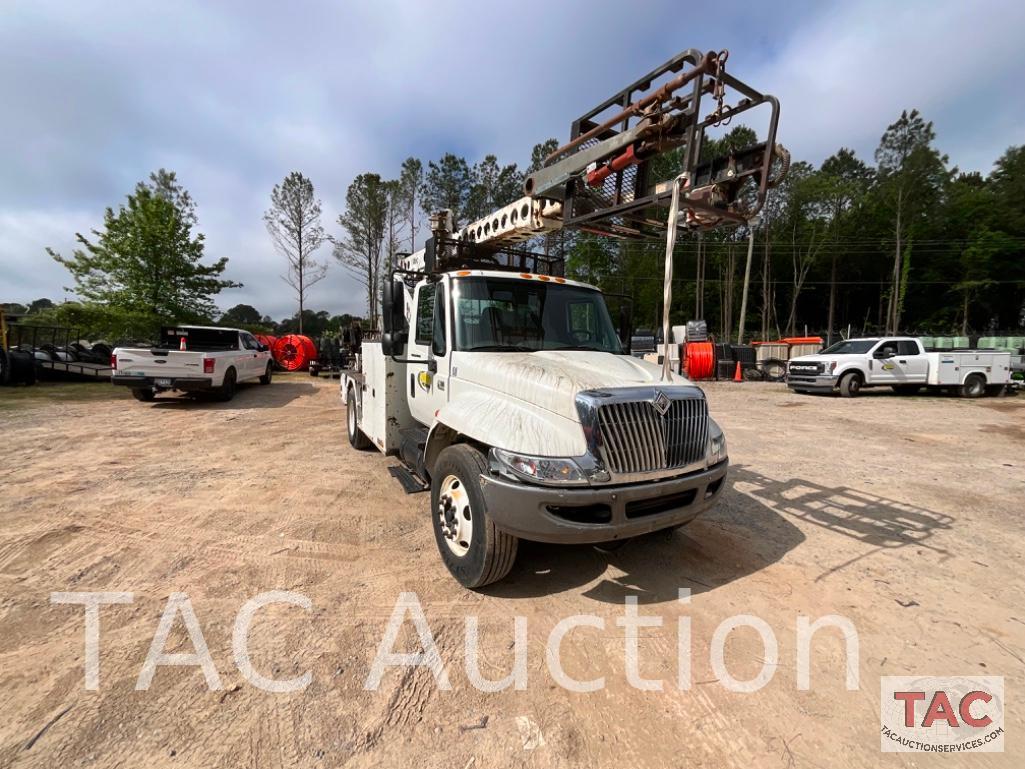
(192,359)
(901,363)
(508,391)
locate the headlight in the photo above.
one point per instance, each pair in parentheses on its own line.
(716,445)
(547,470)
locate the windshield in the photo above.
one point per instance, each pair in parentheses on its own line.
(850,347)
(509,314)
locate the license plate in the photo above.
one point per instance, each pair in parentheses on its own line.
(162,382)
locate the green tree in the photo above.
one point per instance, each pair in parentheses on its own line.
(293,222)
(844,181)
(40,305)
(540,152)
(492,186)
(447,185)
(411,179)
(147,260)
(365,223)
(911,175)
(241,316)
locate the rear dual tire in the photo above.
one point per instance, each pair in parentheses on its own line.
(974,386)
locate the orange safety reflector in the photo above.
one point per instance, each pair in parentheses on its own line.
(543,277)
(526,275)
(560,280)
(463,273)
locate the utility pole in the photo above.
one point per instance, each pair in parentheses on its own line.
(751,224)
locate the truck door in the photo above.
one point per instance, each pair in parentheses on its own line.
(253,361)
(883,366)
(912,363)
(427,381)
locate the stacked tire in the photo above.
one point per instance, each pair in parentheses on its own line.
(17,367)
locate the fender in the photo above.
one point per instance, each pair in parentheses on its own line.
(495,421)
(853,366)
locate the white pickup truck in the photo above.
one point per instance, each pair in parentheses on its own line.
(901,363)
(192,359)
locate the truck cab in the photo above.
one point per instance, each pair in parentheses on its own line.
(509,393)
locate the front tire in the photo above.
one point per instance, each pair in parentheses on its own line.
(357,439)
(475,551)
(268,375)
(850,385)
(974,386)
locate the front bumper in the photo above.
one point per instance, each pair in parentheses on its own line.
(185,384)
(595,514)
(824,382)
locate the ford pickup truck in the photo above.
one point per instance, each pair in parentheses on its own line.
(901,363)
(192,359)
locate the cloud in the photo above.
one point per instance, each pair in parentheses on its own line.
(850,72)
(235,95)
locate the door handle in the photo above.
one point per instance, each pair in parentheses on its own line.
(902,361)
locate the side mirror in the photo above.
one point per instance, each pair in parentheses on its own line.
(262,347)
(882,354)
(393,318)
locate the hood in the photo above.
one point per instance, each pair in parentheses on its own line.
(551,379)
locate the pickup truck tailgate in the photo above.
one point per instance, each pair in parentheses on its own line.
(132,361)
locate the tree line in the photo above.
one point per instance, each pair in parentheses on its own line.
(905,243)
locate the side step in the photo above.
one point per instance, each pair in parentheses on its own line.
(410,483)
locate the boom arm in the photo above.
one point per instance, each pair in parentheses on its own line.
(604,179)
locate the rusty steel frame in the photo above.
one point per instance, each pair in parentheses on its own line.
(703,206)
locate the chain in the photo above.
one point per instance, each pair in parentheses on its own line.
(719,91)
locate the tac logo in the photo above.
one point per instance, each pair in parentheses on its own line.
(942,714)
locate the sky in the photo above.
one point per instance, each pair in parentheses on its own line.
(232,96)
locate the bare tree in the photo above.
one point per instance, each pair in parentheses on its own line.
(293,221)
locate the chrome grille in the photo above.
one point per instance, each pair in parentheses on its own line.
(635,438)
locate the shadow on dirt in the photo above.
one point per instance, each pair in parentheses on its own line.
(747,531)
(248,396)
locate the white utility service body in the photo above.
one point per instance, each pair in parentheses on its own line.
(901,363)
(210,359)
(575,445)
(504,388)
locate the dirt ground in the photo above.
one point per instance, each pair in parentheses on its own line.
(903,515)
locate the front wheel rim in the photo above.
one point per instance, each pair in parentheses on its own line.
(455,518)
